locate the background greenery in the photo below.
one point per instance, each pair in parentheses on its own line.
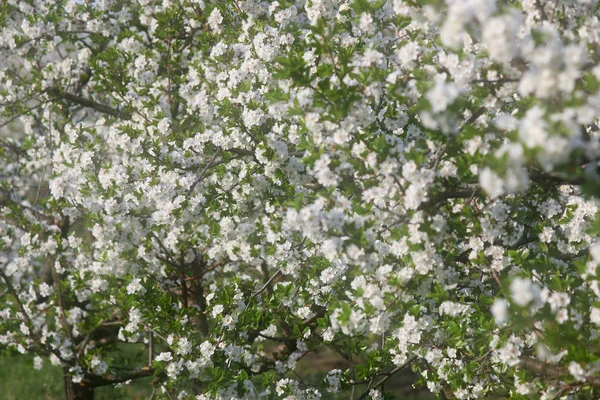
(19,381)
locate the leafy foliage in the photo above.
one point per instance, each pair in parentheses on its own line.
(234,187)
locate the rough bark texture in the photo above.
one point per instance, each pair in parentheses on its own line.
(76,391)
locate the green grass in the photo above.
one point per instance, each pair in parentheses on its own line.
(19,381)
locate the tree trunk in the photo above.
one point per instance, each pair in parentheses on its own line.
(76,391)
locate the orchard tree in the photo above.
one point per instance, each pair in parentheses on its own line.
(238,184)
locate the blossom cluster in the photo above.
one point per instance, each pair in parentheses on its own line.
(240,184)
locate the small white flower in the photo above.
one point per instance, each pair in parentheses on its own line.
(328,335)
(99,366)
(304,312)
(577,372)
(184,346)
(500,311)
(164,125)
(546,235)
(453,309)
(366,22)
(334,380)
(595,252)
(77,374)
(165,356)
(562,316)
(24,329)
(523,291)
(595,315)
(491,182)
(135,286)
(214,20)
(443,94)
(217,310)
(38,363)
(45,289)
(207,349)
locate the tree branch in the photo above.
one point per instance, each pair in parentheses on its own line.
(15,296)
(26,317)
(111,379)
(91,104)
(449,194)
(550,371)
(541,177)
(387,376)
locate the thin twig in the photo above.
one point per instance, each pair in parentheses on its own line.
(150,347)
(199,179)
(15,296)
(387,376)
(258,292)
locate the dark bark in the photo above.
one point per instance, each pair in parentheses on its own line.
(111,379)
(91,104)
(199,320)
(84,390)
(76,391)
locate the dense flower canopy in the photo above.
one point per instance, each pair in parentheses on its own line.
(238,184)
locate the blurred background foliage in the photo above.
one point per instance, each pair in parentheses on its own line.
(19,381)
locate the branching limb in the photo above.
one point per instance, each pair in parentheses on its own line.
(201,176)
(104,109)
(550,371)
(449,194)
(111,379)
(386,377)
(26,317)
(264,287)
(16,298)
